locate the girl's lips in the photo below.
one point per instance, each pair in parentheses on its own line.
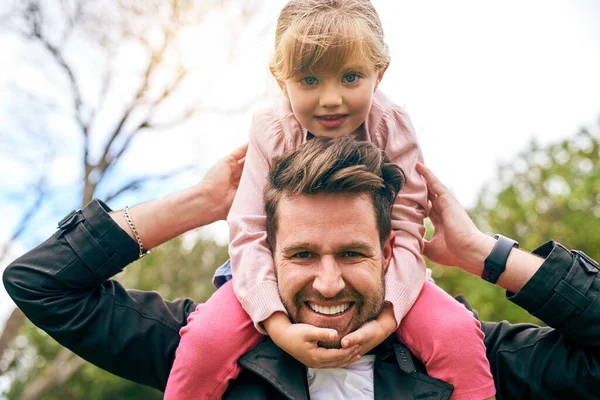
(332,121)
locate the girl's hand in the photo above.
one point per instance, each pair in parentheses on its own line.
(301,342)
(222,180)
(373,332)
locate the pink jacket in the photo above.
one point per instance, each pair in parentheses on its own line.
(276,131)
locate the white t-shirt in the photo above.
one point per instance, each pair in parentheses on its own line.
(352,382)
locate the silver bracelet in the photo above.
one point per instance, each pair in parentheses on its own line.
(143,251)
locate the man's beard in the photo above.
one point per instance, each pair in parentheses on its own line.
(367,307)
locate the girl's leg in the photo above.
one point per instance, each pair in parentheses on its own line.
(217,334)
(443,334)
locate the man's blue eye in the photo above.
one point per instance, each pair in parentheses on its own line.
(353,254)
(351,77)
(303,255)
(309,80)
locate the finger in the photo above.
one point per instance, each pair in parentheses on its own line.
(324,356)
(241,161)
(240,152)
(434,216)
(350,360)
(434,185)
(314,334)
(347,359)
(354,338)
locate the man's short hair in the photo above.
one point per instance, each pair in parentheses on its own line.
(334,165)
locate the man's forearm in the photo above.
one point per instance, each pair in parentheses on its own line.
(160,220)
(520,266)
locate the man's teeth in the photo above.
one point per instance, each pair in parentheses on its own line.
(329,310)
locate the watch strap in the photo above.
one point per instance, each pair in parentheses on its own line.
(495,263)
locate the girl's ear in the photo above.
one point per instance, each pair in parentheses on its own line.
(380,74)
(279,82)
(282,87)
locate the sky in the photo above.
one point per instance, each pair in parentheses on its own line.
(480,80)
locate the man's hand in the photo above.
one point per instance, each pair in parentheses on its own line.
(456,241)
(222,180)
(301,342)
(201,204)
(373,332)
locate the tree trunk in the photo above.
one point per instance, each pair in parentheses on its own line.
(11,329)
(65,365)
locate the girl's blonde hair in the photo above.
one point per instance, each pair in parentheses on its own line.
(325,36)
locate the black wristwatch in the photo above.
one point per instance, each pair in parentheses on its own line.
(495,263)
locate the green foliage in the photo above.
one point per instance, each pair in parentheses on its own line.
(545,193)
(179,268)
(551,192)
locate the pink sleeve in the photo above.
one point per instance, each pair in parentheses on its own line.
(254,279)
(406,273)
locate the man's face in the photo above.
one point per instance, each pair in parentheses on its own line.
(329,261)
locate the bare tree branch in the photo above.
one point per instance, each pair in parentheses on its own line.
(58,57)
(137,183)
(72,19)
(11,329)
(154,61)
(24,221)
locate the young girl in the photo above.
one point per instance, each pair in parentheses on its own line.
(329,60)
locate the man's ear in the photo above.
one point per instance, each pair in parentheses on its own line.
(388,250)
(380,74)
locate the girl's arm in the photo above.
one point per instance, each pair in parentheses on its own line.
(254,279)
(406,273)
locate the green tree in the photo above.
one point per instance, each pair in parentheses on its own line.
(546,192)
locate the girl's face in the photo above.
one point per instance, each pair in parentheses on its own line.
(335,104)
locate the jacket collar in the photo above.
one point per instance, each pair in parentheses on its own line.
(393,379)
(277,367)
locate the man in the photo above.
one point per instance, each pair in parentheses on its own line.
(322,242)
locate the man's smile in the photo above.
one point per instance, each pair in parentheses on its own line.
(329,310)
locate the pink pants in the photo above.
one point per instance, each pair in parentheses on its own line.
(438,330)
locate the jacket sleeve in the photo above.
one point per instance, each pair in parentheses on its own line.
(63,287)
(406,273)
(562,360)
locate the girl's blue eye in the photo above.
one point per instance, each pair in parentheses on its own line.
(351,77)
(309,80)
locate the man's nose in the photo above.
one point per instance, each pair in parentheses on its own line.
(329,281)
(330,97)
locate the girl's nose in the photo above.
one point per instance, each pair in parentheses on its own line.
(330,98)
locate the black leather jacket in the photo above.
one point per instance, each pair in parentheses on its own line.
(64,287)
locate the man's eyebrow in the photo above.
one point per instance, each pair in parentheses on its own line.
(358,246)
(297,247)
